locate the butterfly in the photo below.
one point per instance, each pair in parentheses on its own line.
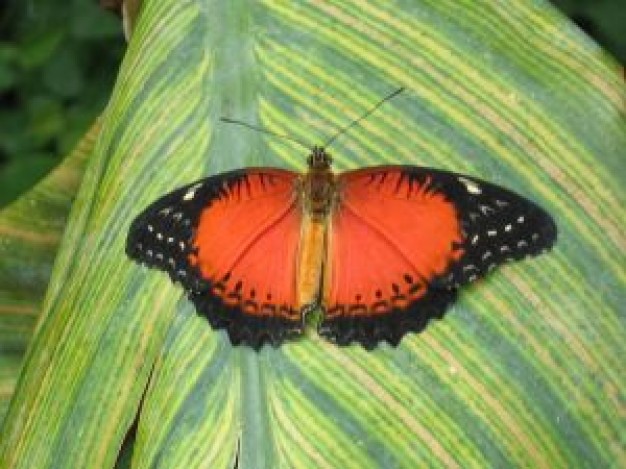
(381,250)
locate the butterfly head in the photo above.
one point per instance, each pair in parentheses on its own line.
(319,159)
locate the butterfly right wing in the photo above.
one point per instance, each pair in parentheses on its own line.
(403,239)
(232,241)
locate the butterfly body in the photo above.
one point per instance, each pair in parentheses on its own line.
(318,185)
(381,250)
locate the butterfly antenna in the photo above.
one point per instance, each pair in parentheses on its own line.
(265,131)
(356,121)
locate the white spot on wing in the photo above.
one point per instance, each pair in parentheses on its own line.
(191,193)
(470,185)
(485,209)
(508,228)
(492,233)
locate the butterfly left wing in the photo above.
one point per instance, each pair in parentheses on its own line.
(403,239)
(232,241)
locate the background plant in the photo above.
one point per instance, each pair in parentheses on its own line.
(58,64)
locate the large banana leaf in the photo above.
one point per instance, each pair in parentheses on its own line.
(526,370)
(30,231)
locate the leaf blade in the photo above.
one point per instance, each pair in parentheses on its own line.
(509,378)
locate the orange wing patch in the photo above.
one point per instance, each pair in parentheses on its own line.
(246,244)
(232,241)
(390,235)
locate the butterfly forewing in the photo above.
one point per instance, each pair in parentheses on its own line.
(232,241)
(402,239)
(498,226)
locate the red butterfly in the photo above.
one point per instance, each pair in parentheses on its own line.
(382,250)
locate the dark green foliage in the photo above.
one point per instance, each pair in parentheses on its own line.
(603,20)
(58,63)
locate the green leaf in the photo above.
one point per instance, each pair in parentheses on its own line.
(88,22)
(30,232)
(8,76)
(38,47)
(46,118)
(63,75)
(526,370)
(16,175)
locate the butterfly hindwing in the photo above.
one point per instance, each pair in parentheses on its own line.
(404,238)
(231,240)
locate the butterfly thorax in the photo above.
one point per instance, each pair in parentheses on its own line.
(318,187)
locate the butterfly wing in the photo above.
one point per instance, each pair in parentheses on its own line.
(231,240)
(403,239)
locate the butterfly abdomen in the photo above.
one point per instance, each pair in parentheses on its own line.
(310,260)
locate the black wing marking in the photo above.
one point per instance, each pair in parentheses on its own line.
(498,226)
